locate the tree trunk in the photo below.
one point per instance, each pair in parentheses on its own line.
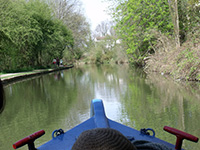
(173,5)
(176,26)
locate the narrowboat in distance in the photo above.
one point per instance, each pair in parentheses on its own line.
(64,140)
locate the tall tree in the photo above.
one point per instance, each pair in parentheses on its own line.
(70,12)
(30,35)
(102,29)
(173,5)
(138,23)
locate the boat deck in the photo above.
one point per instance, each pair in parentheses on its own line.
(98,119)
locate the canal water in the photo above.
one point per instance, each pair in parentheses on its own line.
(62,100)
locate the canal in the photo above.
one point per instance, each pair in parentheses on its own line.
(62,100)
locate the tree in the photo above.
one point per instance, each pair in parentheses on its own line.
(30,35)
(70,13)
(138,23)
(18,27)
(189,18)
(102,29)
(107,47)
(173,5)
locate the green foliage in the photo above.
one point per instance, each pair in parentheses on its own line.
(106,51)
(29,35)
(137,21)
(198,77)
(188,64)
(189,19)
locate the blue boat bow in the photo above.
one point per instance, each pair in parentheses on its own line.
(65,140)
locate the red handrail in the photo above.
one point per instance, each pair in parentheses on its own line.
(180,136)
(29,139)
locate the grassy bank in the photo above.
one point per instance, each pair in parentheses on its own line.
(182,63)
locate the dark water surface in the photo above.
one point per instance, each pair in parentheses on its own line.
(62,100)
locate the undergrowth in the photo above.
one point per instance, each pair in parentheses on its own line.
(182,63)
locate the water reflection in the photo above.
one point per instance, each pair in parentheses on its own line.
(2,97)
(62,100)
(157,101)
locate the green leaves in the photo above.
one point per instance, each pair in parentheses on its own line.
(135,21)
(29,34)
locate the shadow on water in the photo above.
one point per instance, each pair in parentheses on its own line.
(2,97)
(62,100)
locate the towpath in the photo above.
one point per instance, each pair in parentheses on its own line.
(13,77)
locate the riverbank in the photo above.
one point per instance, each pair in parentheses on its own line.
(13,77)
(181,64)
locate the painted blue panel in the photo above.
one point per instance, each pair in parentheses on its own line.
(98,120)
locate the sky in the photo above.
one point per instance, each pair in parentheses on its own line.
(95,12)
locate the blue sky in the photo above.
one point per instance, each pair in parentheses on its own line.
(95,11)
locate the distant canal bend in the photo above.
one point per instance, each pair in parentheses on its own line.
(62,100)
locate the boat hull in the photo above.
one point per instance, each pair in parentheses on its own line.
(98,119)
